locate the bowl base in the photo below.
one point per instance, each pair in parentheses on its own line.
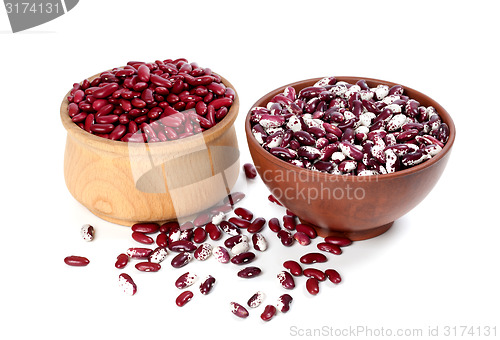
(128,223)
(353,235)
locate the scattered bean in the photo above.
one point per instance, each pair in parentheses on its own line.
(268,313)
(256,299)
(185,280)
(76,261)
(207,285)
(127,284)
(313,258)
(249,272)
(87,232)
(238,310)
(294,268)
(184,298)
(312,285)
(148,266)
(284,303)
(286,280)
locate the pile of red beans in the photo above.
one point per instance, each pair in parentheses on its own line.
(349,129)
(150,102)
(240,233)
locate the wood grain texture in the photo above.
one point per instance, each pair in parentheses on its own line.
(126,183)
(322,199)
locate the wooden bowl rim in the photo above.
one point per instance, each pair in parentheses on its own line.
(445,116)
(158,147)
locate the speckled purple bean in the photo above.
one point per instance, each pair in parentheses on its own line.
(283,153)
(259,242)
(284,303)
(286,280)
(243,258)
(221,254)
(249,272)
(203,252)
(207,284)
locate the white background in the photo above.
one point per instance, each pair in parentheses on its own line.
(437,266)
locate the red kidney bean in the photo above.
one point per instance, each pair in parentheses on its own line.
(286,280)
(168,226)
(185,280)
(181,259)
(250,171)
(249,272)
(202,219)
(256,225)
(256,299)
(142,238)
(273,199)
(333,276)
(118,132)
(230,93)
(80,117)
(198,81)
(331,248)
(268,313)
(238,310)
(234,240)
(121,261)
(306,229)
(143,73)
(243,258)
(146,228)
(259,242)
(244,213)
(229,228)
(302,238)
(127,284)
(139,253)
(221,254)
(148,266)
(284,303)
(158,255)
(184,298)
(102,128)
(312,286)
(221,113)
(289,222)
(207,285)
(234,198)
(87,231)
(182,246)
(339,241)
(285,237)
(239,222)
(162,240)
(73,109)
(76,261)
(199,235)
(105,91)
(213,231)
(313,258)
(316,273)
(294,268)
(203,252)
(274,224)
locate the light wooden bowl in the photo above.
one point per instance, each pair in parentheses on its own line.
(126,183)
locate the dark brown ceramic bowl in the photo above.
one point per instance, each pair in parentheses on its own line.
(356,207)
